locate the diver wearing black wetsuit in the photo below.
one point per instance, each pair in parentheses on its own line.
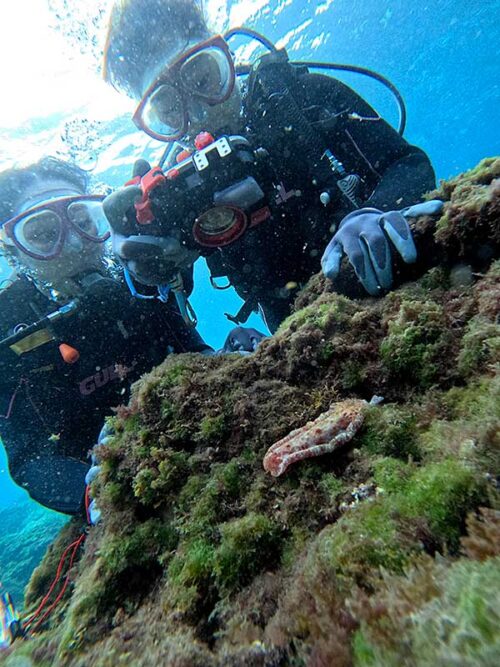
(328,155)
(287,249)
(52,411)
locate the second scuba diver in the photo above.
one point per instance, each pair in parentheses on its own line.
(73,338)
(298,168)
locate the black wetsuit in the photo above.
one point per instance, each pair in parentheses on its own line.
(52,411)
(288,247)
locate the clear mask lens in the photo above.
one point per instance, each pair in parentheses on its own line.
(164,111)
(89,218)
(39,232)
(207,74)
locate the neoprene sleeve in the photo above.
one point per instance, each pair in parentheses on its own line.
(56,482)
(403,183)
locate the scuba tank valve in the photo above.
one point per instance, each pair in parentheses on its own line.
(347,183)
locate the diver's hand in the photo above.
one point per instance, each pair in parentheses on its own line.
(366,235)
(152,260)
(120,211)
(142,255)
(119,206)
(93,512)
(242,339)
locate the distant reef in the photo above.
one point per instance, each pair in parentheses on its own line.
(385,552)
(26,530)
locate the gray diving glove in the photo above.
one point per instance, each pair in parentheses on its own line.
(150,259)
(105,434)
(242,340)
(365,235)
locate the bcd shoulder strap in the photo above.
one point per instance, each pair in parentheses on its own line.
(274,113)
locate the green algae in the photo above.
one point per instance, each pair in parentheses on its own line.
(390,432)
(152,484)
(131,424)
(292,546)
(383,531)
(190,570)
(248,545)
(353,374)
(174,375)
(480,345)
(367,538)
(212,429)
(464,622)
(204,499)
(332,487)
(442,493)
(140,548)
(392,475)
(471,198)
(418,338)
(469,426)
(477,401)
(334,313)
(458,625)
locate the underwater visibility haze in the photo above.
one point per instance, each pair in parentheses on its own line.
(442,55)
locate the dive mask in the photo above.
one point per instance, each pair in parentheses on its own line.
(40,231)
(203,73)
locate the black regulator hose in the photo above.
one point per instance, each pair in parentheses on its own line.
(242,70)
(356,69)
(248,32)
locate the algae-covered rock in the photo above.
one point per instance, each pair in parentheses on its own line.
(356,557)
(472,205)
(441,612)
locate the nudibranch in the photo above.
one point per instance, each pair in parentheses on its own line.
(324,435)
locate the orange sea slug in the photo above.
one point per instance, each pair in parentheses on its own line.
(324,435)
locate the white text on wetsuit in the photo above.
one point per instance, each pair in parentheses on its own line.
(102,377)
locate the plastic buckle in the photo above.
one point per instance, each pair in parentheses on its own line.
(133,181)
(222,146)
(149,182)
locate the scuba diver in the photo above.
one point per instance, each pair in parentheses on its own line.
(277,177)
(73,338)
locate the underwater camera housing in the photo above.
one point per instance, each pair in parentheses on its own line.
(210,197)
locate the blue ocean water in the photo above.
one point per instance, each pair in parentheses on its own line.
(441,54)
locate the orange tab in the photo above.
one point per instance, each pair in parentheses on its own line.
(183,155)
(68,353)
(203,140)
